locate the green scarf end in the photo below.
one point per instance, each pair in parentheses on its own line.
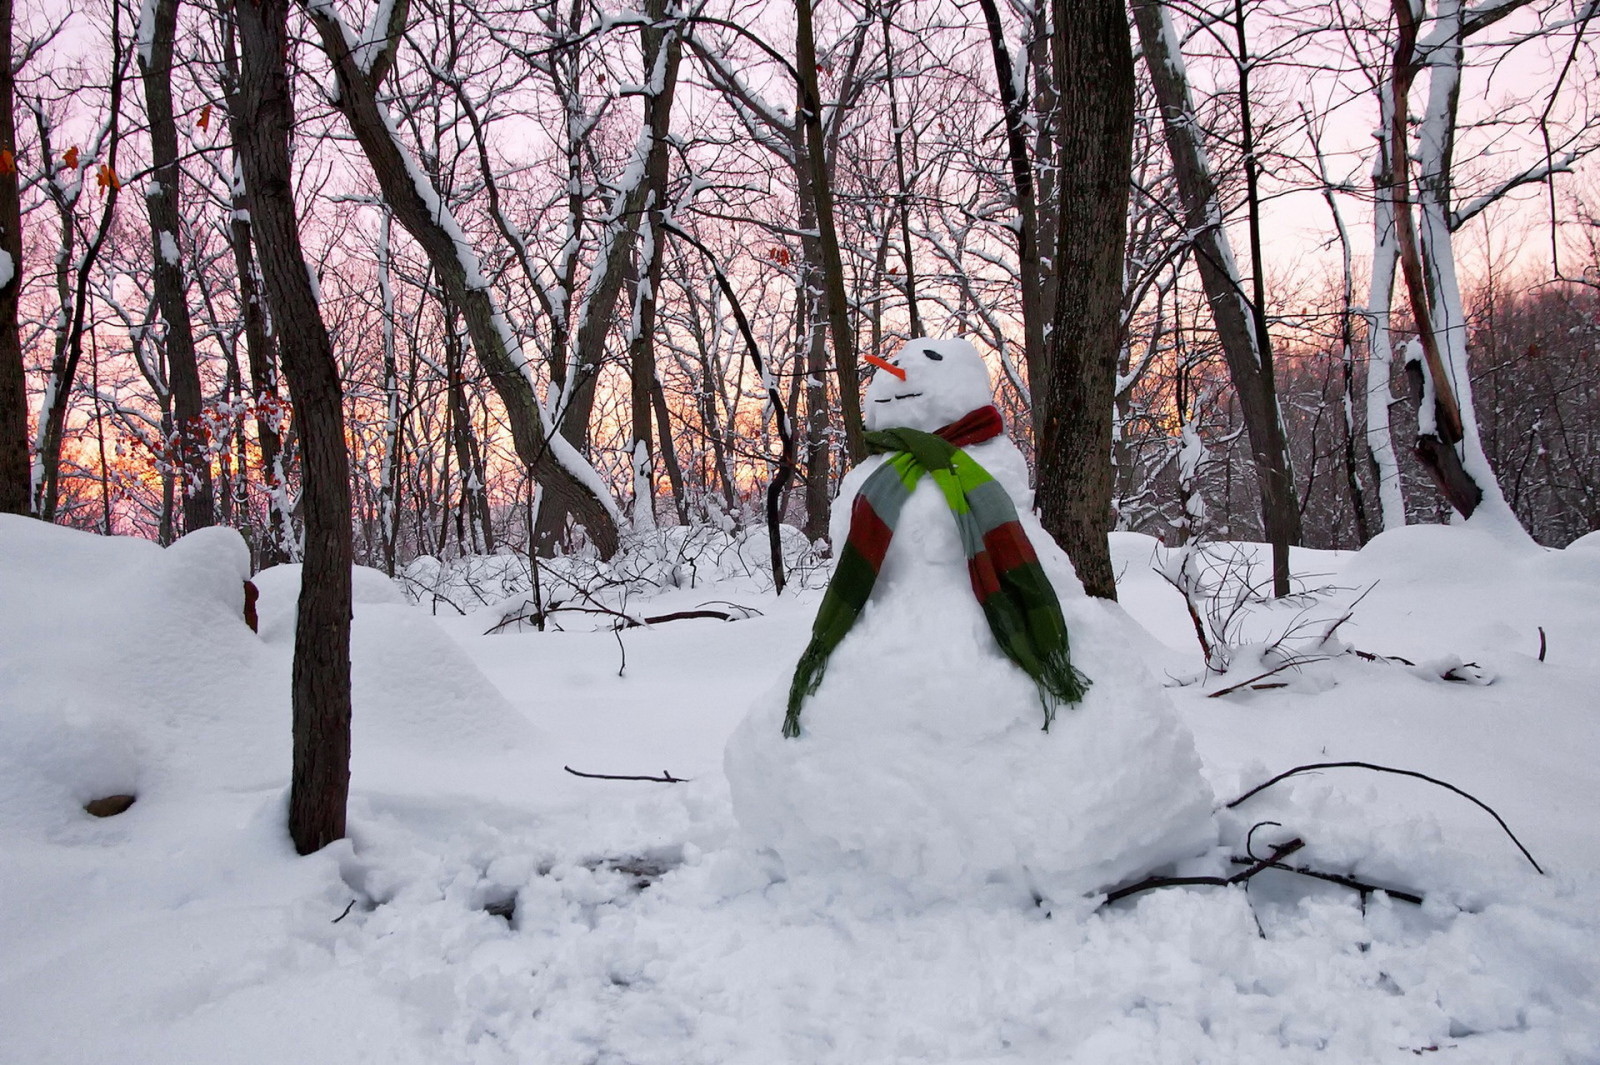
(807,678)
(1059,682)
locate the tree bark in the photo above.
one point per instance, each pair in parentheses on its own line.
(319,787)
(1074,464)
(15,473)
(189,444)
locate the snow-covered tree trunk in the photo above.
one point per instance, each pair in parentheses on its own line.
(389,472)
(662,48)
(278,543)
(1019,125)
(620,237)
(568,480)
(1240,323)
(1380,352)
(818,163)
(1442,52)
(1347,357)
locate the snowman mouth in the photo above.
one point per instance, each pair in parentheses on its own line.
(908,395)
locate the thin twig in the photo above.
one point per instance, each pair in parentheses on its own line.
(666,776)
(1368,656)
(345,914)
(1263,676)
(1350,612)
(1283,850)
(1398,772)
(1332,878)
(1542,643)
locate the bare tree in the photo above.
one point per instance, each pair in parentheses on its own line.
(1074,459)
(1240,316)
(320,784)
(568,479)
(68,176)
(1448,439)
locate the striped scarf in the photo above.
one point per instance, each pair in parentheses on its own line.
(1017,599)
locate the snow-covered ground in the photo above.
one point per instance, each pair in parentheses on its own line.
(645,928)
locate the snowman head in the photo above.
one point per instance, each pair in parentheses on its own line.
(927,385)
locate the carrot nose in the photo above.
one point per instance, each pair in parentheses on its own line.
(884,364)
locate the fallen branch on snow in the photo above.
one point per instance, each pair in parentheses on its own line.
(1282,851)
(1398,772)
(666,776)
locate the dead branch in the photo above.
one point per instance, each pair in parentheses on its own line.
(1397,772)
(1368,656)
(1262,676)
(1283,850)
(666,776)
(1332,878)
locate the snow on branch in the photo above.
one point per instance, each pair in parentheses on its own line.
(1536,174)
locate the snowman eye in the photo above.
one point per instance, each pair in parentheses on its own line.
(934,355)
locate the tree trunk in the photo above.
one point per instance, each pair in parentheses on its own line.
(15,475)
(1380,352)
(663,50)
(1029,272)
(814,342)
(320,783)
(278,544)
(189,444)
(1074,464)
(569,482)
(1240,325)
(816,161)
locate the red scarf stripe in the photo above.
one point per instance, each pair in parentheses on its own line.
(985,581)
(975,427)
(869,534)
(1009,546)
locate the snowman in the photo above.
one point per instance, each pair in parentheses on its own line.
(964,718)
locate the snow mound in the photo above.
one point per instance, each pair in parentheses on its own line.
(130,672)
(1446,589)
(412,687)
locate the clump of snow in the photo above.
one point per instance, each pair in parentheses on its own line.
(923,759)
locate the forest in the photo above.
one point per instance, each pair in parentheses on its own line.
(586,270)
